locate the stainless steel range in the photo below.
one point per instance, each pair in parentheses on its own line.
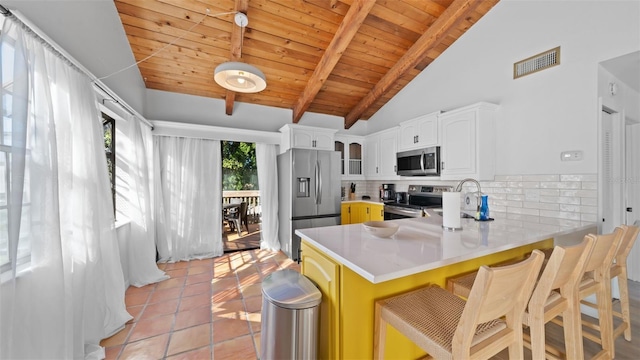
(420,197)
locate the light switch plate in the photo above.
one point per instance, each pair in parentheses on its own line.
(573,155)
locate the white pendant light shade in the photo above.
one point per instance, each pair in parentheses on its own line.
(240,77)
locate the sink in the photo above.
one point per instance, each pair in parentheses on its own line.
(463,214)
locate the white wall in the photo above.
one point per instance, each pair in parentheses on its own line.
(541,114)
(91,32)
(167,106)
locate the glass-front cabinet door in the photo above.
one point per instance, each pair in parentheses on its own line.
(355,158)
(340,147)
(350,148)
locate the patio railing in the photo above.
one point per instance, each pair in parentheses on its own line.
(251,197)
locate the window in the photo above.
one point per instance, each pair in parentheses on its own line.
(109,128)
(15,251)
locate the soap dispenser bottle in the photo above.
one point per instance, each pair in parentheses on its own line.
(484,208)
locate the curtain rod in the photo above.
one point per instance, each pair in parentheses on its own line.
(61,53)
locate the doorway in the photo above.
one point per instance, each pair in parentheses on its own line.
(620,178)
(240,197)
(612,169)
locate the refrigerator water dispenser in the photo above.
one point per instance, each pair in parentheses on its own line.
(303,187)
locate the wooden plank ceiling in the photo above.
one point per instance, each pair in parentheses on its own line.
(337,57)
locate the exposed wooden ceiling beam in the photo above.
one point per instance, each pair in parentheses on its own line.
(346,31)
(329,4)
(236,51)
(446,23)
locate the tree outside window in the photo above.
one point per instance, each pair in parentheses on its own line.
(239,170)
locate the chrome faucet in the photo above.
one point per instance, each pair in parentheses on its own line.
(459,188)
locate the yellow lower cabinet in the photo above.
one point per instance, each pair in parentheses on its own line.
(365,212)
(356,209)
(377,212)
(325,273)
(345,214)
(359,212)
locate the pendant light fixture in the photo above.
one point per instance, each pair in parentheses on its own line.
(238,76)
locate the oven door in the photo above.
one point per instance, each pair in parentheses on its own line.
(394,212)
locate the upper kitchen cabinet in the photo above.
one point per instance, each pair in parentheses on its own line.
(306,137)
(380,155)
(418,133)
(350,148)
(467,142)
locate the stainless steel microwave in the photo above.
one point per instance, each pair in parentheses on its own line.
(421,162)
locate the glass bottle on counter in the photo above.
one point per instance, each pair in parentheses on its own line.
(484,208)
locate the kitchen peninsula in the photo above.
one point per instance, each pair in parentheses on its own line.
(352,268)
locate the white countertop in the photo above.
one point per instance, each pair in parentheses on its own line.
(422,244)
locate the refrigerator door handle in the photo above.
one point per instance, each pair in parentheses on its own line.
(318,184)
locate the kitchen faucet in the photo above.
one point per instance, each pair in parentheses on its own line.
(459,188)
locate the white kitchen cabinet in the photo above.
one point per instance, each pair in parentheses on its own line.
(350,148)
(467,142)
(306,137)
(380,154)
(418,133)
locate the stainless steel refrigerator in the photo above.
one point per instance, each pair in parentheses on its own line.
(308,194)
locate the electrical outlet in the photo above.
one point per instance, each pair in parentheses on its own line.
(573,155)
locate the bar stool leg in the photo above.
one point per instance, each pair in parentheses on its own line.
(572,325)
(605,318)
(537,334)
(624,302)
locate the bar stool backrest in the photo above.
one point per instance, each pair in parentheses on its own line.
(496,292)
(626,244)
(563,270)
(604,251)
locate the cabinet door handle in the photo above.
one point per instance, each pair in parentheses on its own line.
(442,165)
(417,138)
(367,211)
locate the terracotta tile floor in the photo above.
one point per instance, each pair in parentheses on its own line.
(208,309)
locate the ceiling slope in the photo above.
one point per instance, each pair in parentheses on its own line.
(337,57)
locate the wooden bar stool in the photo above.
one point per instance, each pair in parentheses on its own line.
(445,326)
(618,269)
(596,280)
(554,294)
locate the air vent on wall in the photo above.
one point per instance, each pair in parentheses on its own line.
(536,63)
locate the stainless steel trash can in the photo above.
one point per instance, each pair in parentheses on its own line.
(290,312)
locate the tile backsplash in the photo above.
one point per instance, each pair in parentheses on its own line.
(554,199)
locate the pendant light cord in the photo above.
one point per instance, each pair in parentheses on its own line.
(169,44)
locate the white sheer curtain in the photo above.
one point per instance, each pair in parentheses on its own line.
(268,183)
(62,284)
(134,187)
(188,194)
